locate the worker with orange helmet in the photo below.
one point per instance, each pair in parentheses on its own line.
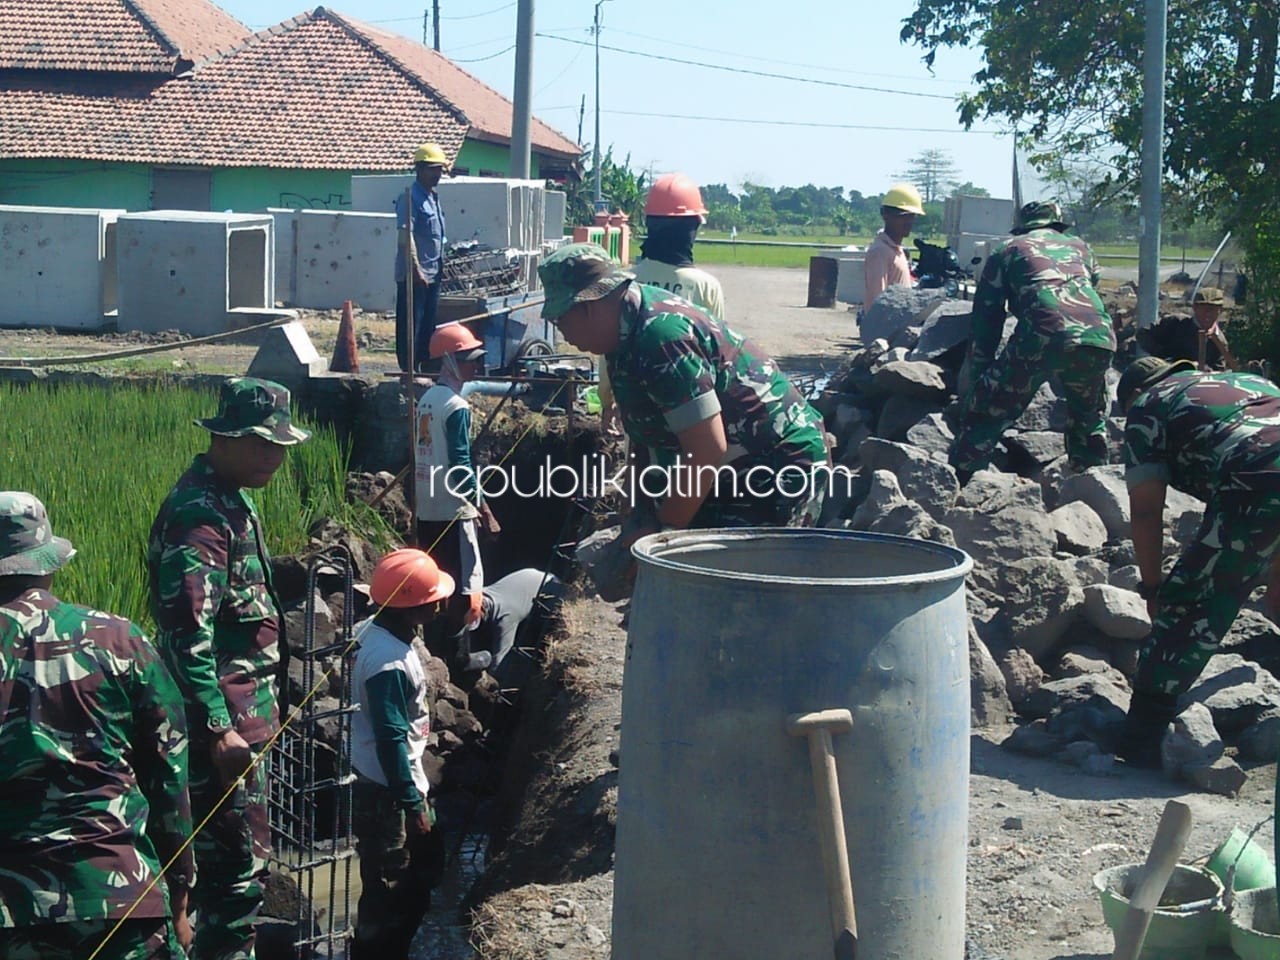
(447,493)
(887,263)
(673,212)
(391,815)
(426,218)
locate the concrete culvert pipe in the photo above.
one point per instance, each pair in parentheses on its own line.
(718,841)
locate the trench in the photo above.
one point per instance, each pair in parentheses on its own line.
(473,799)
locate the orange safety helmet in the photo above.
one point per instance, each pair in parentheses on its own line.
(453,338)
(409,578)
(674,195)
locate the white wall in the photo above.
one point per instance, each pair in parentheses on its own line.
(56,267)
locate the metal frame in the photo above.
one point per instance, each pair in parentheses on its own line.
(311,816)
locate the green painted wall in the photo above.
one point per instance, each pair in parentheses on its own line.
(477,155)
(75,183)
(253,188)
(81,183)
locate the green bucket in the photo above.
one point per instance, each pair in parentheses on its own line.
(1254,870)
(1255,927)
(591,397)
(1184,922)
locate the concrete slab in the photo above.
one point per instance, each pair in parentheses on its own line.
(287,355)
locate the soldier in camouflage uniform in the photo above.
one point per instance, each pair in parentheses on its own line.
(94,777)
(1215,436)
(692,392)
(1063,331)
(219,628)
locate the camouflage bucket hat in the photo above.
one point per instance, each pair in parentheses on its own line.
(1210,295)
(248,406)
(1146,372)
(576,273)
(1039,213)
(27,544)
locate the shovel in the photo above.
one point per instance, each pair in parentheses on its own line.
(1171,837)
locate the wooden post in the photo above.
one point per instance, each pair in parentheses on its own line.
(410,278)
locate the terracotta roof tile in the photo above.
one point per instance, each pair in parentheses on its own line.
(304,96)
(487,109)
(319,91)
(131,36)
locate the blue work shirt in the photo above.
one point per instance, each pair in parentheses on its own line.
(428,232)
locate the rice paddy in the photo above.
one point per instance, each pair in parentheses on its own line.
(103,459)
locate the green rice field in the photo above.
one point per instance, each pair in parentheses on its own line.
(103,459)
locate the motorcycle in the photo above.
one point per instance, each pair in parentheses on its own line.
(938,268)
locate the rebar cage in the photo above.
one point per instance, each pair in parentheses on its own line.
(310,777)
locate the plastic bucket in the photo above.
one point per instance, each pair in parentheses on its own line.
(1255,928)
(1254,869)
(591,397)
(1183,923)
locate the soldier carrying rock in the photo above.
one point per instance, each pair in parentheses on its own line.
(1215,436)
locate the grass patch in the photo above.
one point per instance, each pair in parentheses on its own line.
(103,460)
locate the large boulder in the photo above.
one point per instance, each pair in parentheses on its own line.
(949,325)
(994,540)
(900,413)
(991,490)
(894,310)
(1056,696)
(1040,446)
(1237,692)
(909,378)
(1193,740)
(1042,599)
(1117,613)
(1044,412)
(886,510)
(1022,675)
(1103,489)
(927,481)
(988,701)
(931,434)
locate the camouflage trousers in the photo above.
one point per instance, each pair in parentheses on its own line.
(1200,598)
(138,938)
(397,873)
(1005,388)
(231,858)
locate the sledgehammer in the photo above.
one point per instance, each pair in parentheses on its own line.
(817,727)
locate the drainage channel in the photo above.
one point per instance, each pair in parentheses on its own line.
(445,933)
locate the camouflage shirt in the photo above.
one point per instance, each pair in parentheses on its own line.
(1047,278)
(217,615)
(1205,432)
(94,777)
(675,366)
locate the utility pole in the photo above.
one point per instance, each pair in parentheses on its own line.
(426,25)
(582,112)
(1153,69)
(595,147)
(522,119)
(435,20)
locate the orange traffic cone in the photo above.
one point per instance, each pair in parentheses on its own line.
(345,359)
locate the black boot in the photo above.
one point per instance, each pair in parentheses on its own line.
(1149,717)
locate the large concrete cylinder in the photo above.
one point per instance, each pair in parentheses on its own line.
(718,852)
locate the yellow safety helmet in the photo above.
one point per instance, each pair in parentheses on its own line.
(903,196)
(432,154)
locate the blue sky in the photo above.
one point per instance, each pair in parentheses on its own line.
(816,132)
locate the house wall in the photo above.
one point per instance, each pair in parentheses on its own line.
(479,158)
(75,183)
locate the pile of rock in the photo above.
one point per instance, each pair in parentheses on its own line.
(1055,624)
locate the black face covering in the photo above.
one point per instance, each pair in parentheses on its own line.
(670,239)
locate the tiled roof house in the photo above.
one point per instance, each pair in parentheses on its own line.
(147,104)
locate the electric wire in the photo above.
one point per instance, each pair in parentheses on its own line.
(752,73)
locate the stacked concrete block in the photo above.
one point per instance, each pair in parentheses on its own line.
(555,210)
(200,273)
(345,256)
(851,280)
(57,267)
(286,256)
